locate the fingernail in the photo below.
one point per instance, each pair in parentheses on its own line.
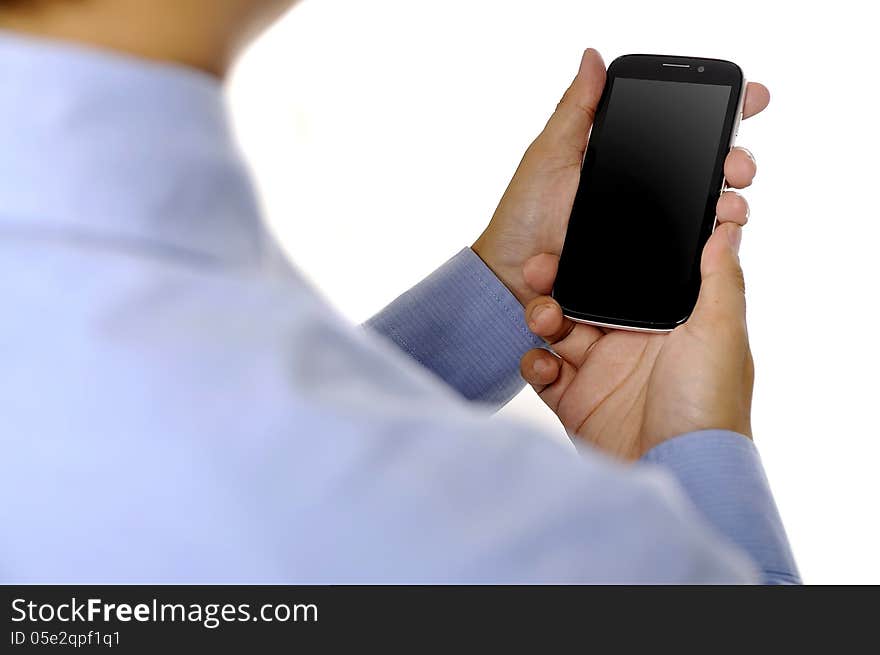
(539,311)
(748,153)
(734,237)
(541,367)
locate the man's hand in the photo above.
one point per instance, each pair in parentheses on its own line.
(533,214)
(626,392)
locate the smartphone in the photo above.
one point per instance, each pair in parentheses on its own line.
(651,177)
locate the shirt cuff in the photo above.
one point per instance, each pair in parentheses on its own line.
(465,326)
(721,473)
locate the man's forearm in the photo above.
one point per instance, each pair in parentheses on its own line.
(722,474)
(462,324)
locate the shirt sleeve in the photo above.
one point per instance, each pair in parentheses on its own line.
(721,473)
(462,324)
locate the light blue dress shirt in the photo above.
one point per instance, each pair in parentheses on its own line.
(178,405)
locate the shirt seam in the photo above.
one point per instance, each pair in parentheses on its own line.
(504,308)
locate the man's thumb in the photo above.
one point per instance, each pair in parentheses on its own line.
(569,127)
(722,293)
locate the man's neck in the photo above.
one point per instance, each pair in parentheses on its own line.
(140,29)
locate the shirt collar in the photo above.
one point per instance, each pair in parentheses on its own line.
(123,148)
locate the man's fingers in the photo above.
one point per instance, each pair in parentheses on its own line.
(544,318)
(548,375)
(568,129)
(732,208)
(569,340)
(740,168)
(539,272)
(540,368)
(722,300)
(757,99)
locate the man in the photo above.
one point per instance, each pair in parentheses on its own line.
(179,406)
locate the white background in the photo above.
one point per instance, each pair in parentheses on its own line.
(384,132)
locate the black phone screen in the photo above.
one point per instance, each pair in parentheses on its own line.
(645,205)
